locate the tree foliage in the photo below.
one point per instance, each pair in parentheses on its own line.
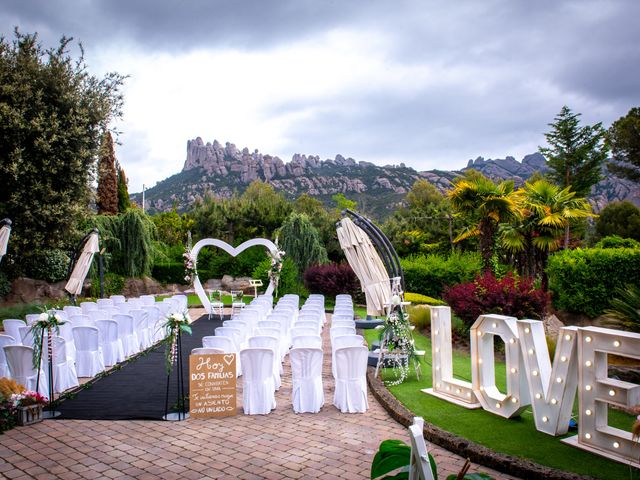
(485,205)
(107,178)
(576,153)
(324,221)
(624,139)
(53,114)
(619,218)
(123,190)
(172,228)
(301,242)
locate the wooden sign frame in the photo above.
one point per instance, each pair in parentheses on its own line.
(212,385)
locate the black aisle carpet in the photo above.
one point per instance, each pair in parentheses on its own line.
(137,390)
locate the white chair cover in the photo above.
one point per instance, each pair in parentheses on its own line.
(257,388)
(82,320)
(231,332)
(350,395)
(338,317)
(11,327)
(104,302)
(265,341)
(88,307)
(72,310)
(20,362)
(89,361)
(343,323)
(118,299)
(306,375)
(66,332)
(284,321)
(104,313)
(127,334)
(315,324)
(300,331)
(250,316)
(342,341)
(141,326)
(269,324)
(336,331)
(31,318)
(4,368)
(64,370)
(26,336)
(155,321)
(110,343)
(307,341)
(226,344)
(205,351)
(148,300)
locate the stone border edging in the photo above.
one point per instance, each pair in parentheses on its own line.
(463,447)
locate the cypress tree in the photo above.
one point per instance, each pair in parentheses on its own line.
(107,178)
(123,190)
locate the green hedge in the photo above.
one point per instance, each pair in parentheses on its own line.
(170,273)
(583,281)
(289,282)
(428,275)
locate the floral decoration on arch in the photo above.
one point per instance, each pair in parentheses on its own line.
(277,259)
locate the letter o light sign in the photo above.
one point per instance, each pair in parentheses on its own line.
(483,332)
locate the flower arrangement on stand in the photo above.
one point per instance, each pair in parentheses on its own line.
(277,259)
(48,322)
(398,341)
(176,323)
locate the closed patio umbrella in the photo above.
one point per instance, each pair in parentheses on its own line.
(76,280)
(367,265)
(5,231)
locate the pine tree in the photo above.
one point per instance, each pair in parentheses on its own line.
(107,178)
(123,190)
(576,153)
(624,137)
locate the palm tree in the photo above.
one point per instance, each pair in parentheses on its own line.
(547,210)
(486,204)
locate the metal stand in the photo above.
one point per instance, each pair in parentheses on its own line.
(51,413)
(181,414)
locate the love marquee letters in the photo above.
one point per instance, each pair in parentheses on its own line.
(580,366)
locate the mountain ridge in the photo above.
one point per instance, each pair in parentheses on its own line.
(227,170)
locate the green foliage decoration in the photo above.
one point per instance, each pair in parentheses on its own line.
(53,114)
(430,274)
(582,281)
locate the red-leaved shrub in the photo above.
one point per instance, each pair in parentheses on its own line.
(332,279)
(513,296)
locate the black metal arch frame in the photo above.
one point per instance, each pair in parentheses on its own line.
(74,259)
(381,243)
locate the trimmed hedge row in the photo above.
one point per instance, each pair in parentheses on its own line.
(430,274)
(583,281)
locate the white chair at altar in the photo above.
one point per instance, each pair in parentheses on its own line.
(306,376)
(11,327)
(64,370)
(226,344)
(265,341)
(4,341)
(127,334)
(350,395)
(20,362)
(217,306)
(110,343)
(205,351)
(258,389)
(307,341)
(89,361)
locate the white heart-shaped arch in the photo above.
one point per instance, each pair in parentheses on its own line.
(234,252)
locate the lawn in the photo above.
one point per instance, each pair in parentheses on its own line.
(517,437)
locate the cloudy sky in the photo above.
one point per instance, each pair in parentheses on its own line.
(430,84)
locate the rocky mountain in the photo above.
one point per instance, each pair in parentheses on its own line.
(225,170)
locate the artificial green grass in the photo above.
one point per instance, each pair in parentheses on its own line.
(517,436)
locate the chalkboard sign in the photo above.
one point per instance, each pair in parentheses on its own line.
(212,385)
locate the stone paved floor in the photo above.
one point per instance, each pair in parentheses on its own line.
(279,445)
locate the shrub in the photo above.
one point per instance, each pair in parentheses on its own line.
(614,241)
(113,285)
(172,272)
(332,279)
(429,275)
(418,299)
(48,265)
(419,316)
(513,296)
(288,276)
(625,308)
(5,285)
(582,281)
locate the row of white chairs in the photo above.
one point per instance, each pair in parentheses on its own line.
(88,342)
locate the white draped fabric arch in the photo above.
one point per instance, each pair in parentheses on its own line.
(91,247)
(234,252)
(367,265)
(5,231)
